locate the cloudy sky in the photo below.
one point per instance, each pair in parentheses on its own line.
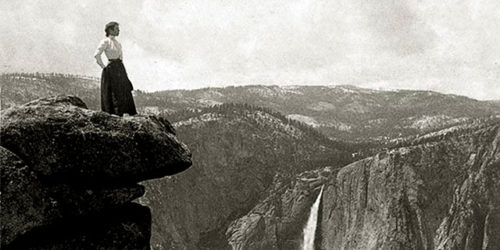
(451,46)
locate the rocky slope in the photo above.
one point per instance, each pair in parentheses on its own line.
(439,191)
(237,150)
(69,174)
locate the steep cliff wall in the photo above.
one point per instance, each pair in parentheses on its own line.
(439,192)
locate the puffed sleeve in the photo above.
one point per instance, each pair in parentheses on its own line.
(102,46)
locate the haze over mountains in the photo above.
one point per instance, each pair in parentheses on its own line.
(341,112)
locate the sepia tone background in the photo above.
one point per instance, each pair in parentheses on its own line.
(448,46)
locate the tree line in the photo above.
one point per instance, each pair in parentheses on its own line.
(45,75)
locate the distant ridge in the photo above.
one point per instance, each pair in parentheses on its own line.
(340,111)
(19,88)
(48,75)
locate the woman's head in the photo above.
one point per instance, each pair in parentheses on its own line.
(112,29)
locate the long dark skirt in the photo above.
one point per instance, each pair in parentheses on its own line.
(116,96)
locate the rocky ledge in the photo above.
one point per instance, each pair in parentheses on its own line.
(69,174)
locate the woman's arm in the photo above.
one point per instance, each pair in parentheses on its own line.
(97,55)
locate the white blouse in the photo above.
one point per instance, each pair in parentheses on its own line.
(111,47)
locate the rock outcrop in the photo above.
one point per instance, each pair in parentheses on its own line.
(69,174)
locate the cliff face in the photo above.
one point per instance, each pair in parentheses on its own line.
(439,192)
(69,175)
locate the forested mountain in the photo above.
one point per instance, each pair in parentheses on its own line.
(237,151)
(341,112)
(19,88)
(259,154)
(344,112)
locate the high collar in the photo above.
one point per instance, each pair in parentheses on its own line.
(112,37)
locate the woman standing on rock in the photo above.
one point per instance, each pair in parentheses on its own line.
(116,96)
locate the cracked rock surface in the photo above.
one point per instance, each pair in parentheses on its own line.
(69,175)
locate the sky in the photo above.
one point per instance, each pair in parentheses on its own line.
(450,46)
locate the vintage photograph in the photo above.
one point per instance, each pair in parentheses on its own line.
(250,124)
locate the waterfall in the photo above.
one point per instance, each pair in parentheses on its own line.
(310,229)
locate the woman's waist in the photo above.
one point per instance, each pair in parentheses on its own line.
(115,61)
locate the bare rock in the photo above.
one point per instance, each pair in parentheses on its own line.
(68,175)
(277,221)
(23,198)
(64,142)
(441,193)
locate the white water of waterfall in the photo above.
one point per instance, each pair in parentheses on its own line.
(310,229)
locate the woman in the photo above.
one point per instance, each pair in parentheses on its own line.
(116,96)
